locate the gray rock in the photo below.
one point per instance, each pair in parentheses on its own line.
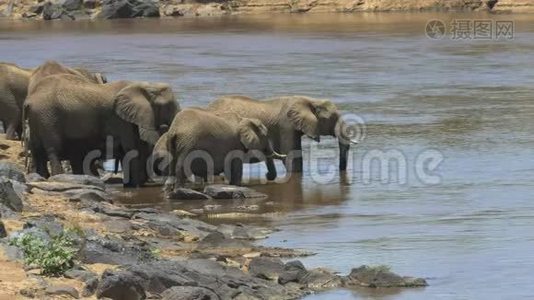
(294,271)
(11,171)
(90,287)
(244,232)
(53,11)
(266,268)
(218,240)
(81,275)
(62,290)
(222,191)
(9,197)
(171,224)
(187,194)
(60,187)
(119,9)
(88,195)
(122,285)
(381,277)
(34,177)
(90,4)
(79,179)
(320,279)
(114,251)
(188,293)
(3,232)
(71,5)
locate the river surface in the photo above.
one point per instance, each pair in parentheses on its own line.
(466,224)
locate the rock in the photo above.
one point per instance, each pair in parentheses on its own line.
(266,268)
(52,11)
(87,195)
(118,9)
(9,197)
(71,5)
(90,4)
(113,251)
(3,232)
(90,287)
(187,194)
(11,171)
(222,191)
(381,277)
(188,293)
(79,179)
(169,224)
(218,240)
(244,232)
(59,290)
(34,177)
(320,279)
(294,271)
(81,275)
(122,285)
(60,187)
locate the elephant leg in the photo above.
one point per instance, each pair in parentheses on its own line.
(236,172)
(12,129)
(292,147)
(271,169)
(55,162)
(40,163)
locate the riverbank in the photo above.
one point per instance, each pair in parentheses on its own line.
(111,251)
(110,9)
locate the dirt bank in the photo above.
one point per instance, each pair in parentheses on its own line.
(109,9)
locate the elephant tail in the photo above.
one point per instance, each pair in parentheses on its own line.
(25,137)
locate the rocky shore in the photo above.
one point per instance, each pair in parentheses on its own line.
(113,9)
(64,238)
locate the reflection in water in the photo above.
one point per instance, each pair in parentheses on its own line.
(471,235)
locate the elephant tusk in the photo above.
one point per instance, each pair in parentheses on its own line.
(355,142)
(277,155)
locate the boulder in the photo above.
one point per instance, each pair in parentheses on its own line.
(217,240)
(188,293)
(3,232)
(266,268)
(90,4)
(187,194)
(71,5)
(113,251)
(377,277)
(60,187)
(119,9)
(90,287)
(11,171)
(60,290)
(87,195)
(9,196)
(80,274)
(52,11)
(79,179)
(223,191)
(320,279)
(122,285)
(34,177)
(294,271)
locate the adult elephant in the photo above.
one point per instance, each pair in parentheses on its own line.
(70,117)
(13,90)
(52,67)
(204,144)
(287,119)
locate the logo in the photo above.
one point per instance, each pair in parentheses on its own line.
(435,29)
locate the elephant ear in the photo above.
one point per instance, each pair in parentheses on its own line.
(302,115)
(134,105)
(248,133)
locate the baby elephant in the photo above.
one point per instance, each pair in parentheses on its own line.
(202,143)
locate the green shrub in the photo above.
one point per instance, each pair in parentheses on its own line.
(53,257)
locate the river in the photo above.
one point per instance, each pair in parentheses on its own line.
(467,224)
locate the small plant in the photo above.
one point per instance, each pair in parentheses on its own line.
(53,257)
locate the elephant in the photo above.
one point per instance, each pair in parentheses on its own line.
(13,89)
(70,117)
(288,118)
(14,85)
(51,67)
(221,142)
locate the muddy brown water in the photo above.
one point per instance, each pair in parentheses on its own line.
(471,235)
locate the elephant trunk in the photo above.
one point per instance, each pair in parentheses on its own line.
(344,134)
(343,154)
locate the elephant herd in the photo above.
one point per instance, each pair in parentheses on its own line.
(72,114)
